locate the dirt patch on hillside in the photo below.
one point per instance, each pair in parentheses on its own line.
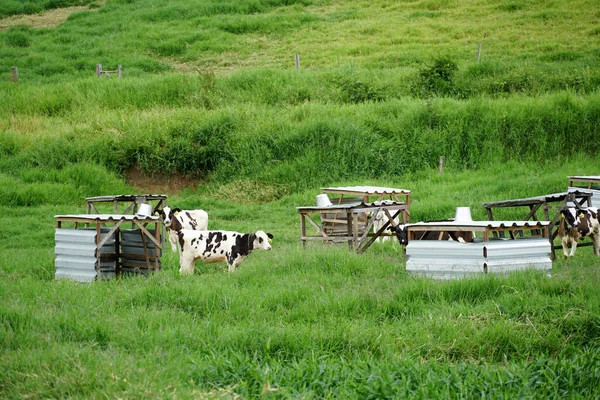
(155,184)
(47,19)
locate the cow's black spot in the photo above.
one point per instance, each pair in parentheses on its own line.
(213,241)
(243,246)
(181,240)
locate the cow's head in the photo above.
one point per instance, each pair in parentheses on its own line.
(262,241)
(167,213)
(571,217)
(401,233)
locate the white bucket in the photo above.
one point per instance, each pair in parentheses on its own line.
(144,210)
(323,200)
(463,214)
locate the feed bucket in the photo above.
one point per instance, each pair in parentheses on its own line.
(323,200)
(463,214)
(144,210)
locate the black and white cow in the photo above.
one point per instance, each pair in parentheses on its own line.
(217,246)
(576,225)
(176,219)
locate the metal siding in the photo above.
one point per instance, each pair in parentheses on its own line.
(513,255)
(131,246)
(448,259)
(76,258)
(444,259)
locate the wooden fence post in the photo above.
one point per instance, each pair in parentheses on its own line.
(297,60)
(15,74)
(99,70)
(441,164)
(120,70)
(478,52)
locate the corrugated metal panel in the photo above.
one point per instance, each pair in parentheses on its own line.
(366,190)
(484,224)
(444,259)
(133,254)
(513,255)
(595,195)
(449,259)
(76,255)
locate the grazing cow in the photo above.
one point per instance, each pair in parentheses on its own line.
(459,236)
(176,219)
(379,219)
(576,225)
(217,246)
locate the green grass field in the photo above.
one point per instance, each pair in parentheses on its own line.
(212,112)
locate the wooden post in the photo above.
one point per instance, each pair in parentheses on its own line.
(120,70)
(297,60)
(478,52)
(15,74)
(99,70)
(441,164)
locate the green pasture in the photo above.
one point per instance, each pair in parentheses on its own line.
(313,323)
(212,111)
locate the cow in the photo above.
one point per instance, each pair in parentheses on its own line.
(401,232)
(379,219)
(176,219)
(576,225)
(217,246)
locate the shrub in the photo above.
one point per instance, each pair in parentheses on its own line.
(436,79)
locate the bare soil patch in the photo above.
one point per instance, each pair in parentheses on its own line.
(156,184)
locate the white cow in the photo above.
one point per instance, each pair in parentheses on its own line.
(379,219)
(217,246)
(177,219)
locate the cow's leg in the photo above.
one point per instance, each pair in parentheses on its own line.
(233,264)
(596,242)
(573,248)
(565,245)
(173,239)
(186,265)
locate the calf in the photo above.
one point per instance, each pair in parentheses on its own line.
(379,219)
(576,225)
(176,219)
(217,246)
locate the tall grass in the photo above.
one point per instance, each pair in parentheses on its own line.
(303,144)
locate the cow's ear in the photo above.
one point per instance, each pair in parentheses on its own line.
(270,236)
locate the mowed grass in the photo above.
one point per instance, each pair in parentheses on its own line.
(520,39)
(292,322)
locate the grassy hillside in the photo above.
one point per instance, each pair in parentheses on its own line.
(212,112)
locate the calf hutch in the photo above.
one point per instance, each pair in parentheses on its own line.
(550,205)
(348,215)
(496,247)
(99,246)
